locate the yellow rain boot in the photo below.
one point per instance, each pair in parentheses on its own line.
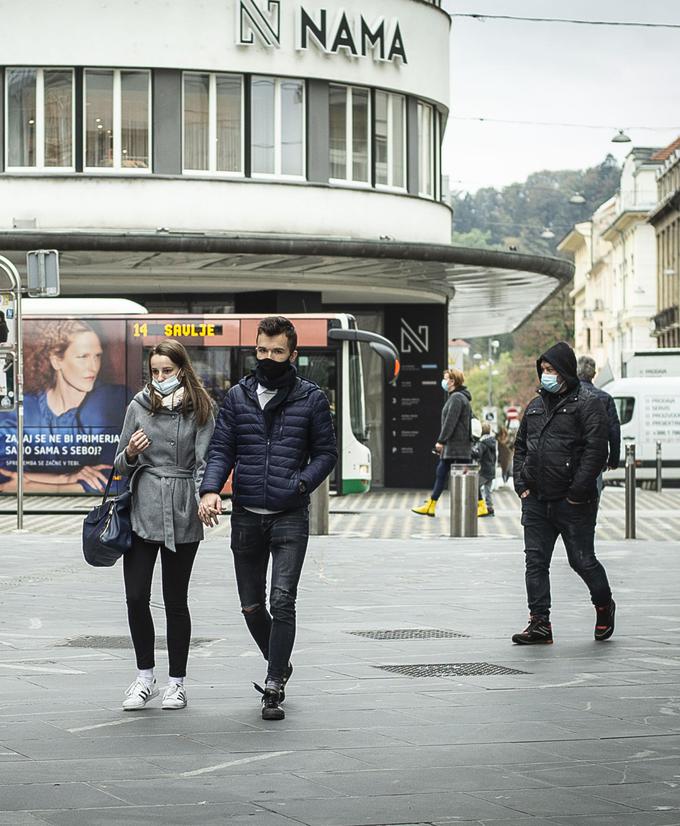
(427,509)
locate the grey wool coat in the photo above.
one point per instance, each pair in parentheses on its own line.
(455,434)
(165,488)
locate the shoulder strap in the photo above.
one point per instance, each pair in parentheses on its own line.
(112,474)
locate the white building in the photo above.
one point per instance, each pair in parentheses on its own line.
(254,155)
(615,268)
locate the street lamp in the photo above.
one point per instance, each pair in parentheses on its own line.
(494,345)
(577,198)
(620,137)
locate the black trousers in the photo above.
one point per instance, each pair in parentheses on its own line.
(255,538)
(543,522)
(138,565)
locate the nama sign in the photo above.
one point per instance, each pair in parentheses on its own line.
(332,33)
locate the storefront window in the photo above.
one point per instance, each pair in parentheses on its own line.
(426,149)
(278,127)
(213,116)
(390,140)
(117,133)
(349,134)
(40,118)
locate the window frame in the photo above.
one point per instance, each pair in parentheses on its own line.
(116,116)
(212,127)
(40,168)
(349,181)
(277,175)
(390,186)
(422,107)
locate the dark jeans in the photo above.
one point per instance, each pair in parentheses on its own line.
(138,565)
(254,538)
(441,478)
(543,522)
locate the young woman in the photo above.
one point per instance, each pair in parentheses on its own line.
(164,442)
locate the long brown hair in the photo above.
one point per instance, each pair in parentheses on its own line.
(195,397)
(55,337)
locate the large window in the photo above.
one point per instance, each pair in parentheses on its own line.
(390,140)
(117,118)
(278,127)
(350,134)
(39,125)
(426,150)
(213,123)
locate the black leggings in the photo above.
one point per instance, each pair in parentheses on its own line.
(138,565)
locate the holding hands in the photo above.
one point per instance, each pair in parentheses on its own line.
(209,509)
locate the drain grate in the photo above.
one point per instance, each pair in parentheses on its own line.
(450,670)
(92,641)
(409,634)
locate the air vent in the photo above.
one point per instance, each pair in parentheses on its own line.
(450,670)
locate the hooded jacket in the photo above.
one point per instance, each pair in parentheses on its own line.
(272,450)
(455,433)
(488,454)
(562,443)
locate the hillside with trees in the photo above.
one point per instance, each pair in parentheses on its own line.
(531,217)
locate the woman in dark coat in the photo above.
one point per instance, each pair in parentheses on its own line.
(455,439)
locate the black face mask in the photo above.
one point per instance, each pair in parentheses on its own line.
(271,369)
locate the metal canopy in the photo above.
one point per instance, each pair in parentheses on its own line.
(492,291)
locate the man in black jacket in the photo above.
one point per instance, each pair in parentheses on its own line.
(275,431)
(560,451)
(586,370)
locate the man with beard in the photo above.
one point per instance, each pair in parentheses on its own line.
(275,431)
(561,448)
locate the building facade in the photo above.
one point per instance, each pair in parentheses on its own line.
(614,255)
(665,220)
(254,156)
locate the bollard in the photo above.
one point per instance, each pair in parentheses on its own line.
(464,492)
(659,468)
(630,491)
(319,503)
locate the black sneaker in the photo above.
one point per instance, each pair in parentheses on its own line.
(271,708)
(604,624)
(538,632)
(288,674)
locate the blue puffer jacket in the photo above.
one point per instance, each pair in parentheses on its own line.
(268,467)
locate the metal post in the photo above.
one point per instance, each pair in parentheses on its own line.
(659,468)
(630,491)
(464,484)
(13,275)
(319,503)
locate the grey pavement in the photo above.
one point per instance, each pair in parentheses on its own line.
(574,733)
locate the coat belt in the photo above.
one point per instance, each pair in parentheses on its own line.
(165,473)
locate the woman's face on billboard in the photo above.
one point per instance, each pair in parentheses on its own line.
(81,362)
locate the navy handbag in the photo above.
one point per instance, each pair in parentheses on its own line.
(107,529)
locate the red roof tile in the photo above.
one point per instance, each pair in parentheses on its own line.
(664,154)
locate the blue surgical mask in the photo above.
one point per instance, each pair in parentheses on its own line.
(445,385)
(550,382)
(168,386)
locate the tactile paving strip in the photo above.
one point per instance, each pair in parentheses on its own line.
(410,634)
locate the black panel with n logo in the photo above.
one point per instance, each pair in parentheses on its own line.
(413,408)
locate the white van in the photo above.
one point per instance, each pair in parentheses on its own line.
(649,411)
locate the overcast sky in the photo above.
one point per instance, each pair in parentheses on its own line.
(595,75)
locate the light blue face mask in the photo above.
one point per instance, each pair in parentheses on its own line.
(550,382)
(445,385)
(168,386)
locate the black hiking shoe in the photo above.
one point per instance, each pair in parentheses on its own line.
(604,624)
(271,703)
(538,632)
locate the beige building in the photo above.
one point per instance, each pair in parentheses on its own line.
(665,220)
(614,255)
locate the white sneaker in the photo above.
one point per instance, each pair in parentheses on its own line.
(139,694)
(175,697)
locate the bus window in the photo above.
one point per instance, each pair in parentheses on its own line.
(625,406)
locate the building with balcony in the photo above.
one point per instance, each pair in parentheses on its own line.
(250,155)
(665,219)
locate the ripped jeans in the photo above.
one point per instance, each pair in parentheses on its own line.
(254,539)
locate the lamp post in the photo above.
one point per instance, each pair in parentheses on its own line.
(493,344)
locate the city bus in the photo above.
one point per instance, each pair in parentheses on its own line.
(84,359)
